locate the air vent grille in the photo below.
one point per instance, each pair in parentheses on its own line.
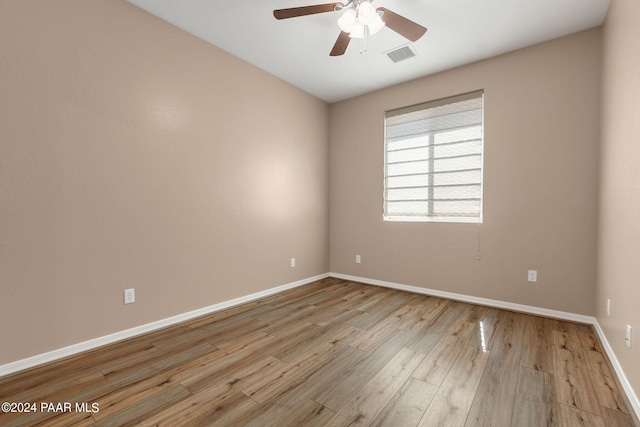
(401,53)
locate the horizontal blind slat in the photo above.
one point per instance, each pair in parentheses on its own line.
(437,200)
(439,145)
(435,173)
(433,186)
(436,158)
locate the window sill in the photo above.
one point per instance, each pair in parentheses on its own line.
(430,219)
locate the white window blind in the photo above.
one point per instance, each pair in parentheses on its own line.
(433,160)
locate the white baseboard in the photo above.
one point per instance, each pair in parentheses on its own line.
(631,395)
(633,399)
(50,356)
(579,318)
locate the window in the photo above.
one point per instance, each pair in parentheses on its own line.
(433,160)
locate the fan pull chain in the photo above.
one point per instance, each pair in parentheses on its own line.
(364,49)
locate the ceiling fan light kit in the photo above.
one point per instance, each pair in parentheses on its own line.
(359,18)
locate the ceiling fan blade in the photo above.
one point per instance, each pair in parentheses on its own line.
(305,10)
(341,44)
(401,25)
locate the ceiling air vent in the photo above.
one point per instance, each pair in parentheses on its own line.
(401,53)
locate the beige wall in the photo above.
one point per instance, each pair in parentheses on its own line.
(135,155)
(619,232)
(540,181)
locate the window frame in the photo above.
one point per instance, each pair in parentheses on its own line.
(429,217)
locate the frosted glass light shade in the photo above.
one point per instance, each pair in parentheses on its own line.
(375,25)
(366,13)
(347,21)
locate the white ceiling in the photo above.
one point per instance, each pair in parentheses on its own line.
(297,49)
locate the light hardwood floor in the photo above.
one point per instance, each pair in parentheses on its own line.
(336,353)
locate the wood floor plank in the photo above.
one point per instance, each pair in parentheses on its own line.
(432,314)
(225,386)
(359,294)
(404,317)
(43,418)
(374,300)
(570,416)
(165,360)
(345,316)
(139,358)
(473,313)
(330,309)
(537,352)
(438,362)
(134,414)
(306,339)
(450,406)
(244,359)
(336,352)
(418,301)
(216,401)
(424,341)
(85,361)
(408,404)
(601,376)
(570,328)
(285,404)
(570,370)
(222,335)
(202,410)
(295,372)
(349,335)
(535,399)
(320,379)
(482,335)
(611,417)
(124,398)
(297,315)
(238,311)
(128,380)
(57,389)
(223,413)
(380,309)
(374,337)
(336,394)
(55,375)
(436,365)
(494,400)
(302,297)
(73,419)
(368,402)
(308,414)
(208,373)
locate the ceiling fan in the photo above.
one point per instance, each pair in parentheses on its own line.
(359,19)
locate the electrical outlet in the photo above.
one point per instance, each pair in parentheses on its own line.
(628,337)
(358,259)
(293,262)
(129,296)
(532,276)
(608,307)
